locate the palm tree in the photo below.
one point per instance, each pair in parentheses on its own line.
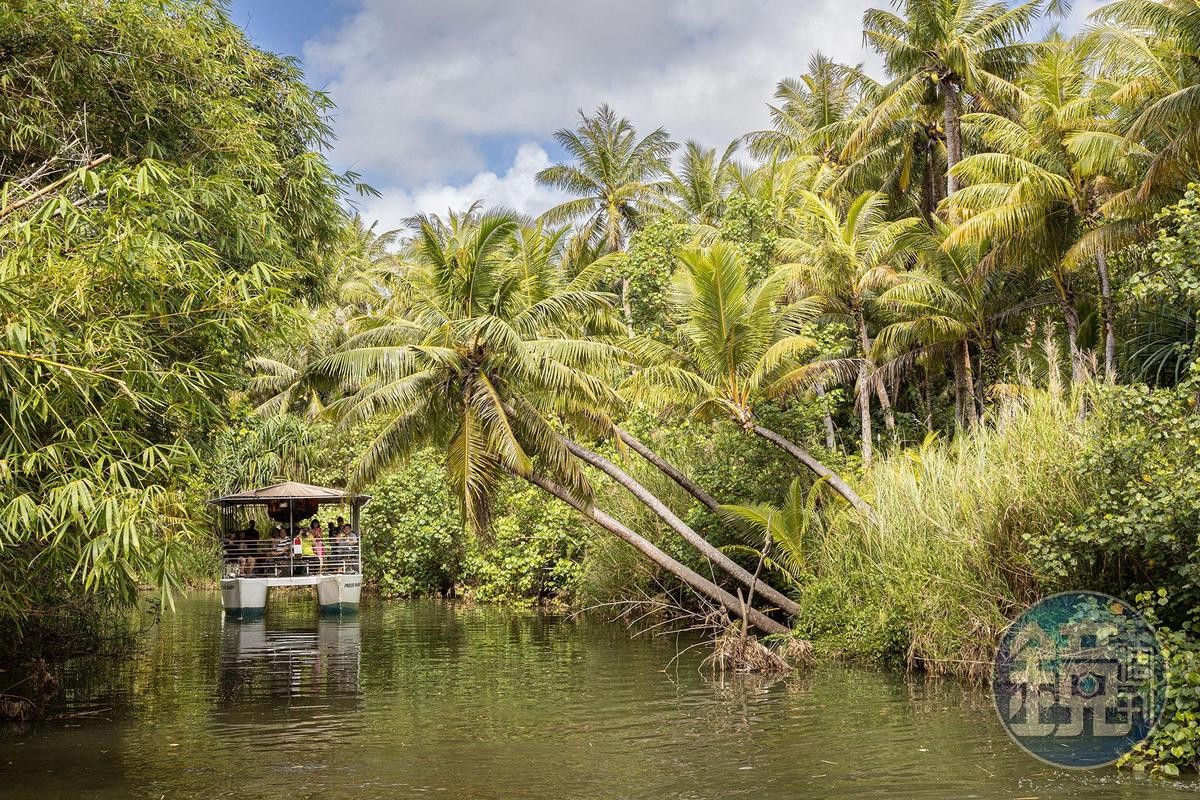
(1035,196)
(697,189)
(943,307)
(282,380)
(846,257)
(737,344)
(787,529)
(1148,54)
(475,358)
(950,52)
(614,178)
(816,113)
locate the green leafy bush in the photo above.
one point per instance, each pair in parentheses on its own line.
(1175,743)
(413,536)
(1140,526)
(534,552)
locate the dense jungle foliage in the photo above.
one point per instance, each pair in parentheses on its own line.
(877,377)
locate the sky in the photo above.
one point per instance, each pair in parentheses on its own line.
(442,102)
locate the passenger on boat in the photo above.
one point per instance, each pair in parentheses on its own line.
(247,542)
(344,546)
(312,547)
(308,552)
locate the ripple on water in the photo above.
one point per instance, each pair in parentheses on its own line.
(412,699)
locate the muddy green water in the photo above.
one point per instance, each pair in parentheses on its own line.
(435,700)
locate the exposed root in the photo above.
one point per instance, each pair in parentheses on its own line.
(39,684)
(14,708)
(736,651)
(797,652)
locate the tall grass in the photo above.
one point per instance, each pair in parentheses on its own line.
(936,579)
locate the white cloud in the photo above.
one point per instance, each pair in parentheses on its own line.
(517,189)
(435,94)
(425,89)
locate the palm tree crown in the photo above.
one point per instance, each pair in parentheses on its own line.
(472,351)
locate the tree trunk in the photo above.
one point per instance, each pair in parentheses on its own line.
(863,389)
(864,416)
(820,470)
(966,377)
(864,343)
(626,307)
(926,405)
(689,576)
(830,431)
(1108,315)
(666,468)
(960,413)
(885,402)
(702,545)
(953,126)
(1066,303)
(928,184)
(980,399)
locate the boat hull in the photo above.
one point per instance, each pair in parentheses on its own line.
(339,594)
(244,598)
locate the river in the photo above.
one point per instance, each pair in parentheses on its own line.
(428,699)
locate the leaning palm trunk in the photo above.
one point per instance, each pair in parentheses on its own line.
(702,545)
(689,576)
(885,405)
(820,470)
(666,468)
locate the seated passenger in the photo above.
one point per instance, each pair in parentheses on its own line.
(248,549)
(344,544)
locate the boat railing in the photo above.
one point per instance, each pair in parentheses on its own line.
(272,558)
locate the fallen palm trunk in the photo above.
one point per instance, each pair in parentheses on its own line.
(666,468)
(724,562)
(834,480)
(689,576)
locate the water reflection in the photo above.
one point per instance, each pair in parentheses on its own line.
(286,675)
(413,699)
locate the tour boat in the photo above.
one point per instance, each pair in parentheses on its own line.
(256,560)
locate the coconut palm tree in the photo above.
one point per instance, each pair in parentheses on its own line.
(945,308)
(815,114)
(614,178)
(697,188)
(1035,196)
(477,356)
(952,53)
(846,256)
(736,345)
(1148,55)
(282,380)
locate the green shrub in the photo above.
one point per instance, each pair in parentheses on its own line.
(1140,526)
(1175,743)
(413,538)
(534,551)
(941,573)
